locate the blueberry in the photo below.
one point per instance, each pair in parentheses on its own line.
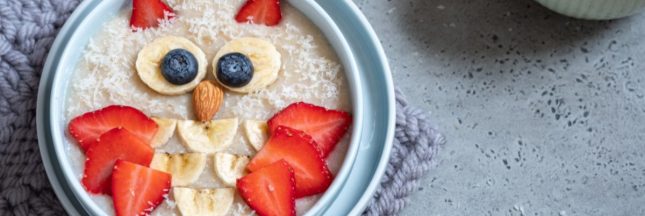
(179,66)
(234,70)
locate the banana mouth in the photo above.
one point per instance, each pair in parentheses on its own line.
(264,56)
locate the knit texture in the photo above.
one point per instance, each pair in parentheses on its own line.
(416,142)
(27,30)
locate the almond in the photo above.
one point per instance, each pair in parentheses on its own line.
(207,99)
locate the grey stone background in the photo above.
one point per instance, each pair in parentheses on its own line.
(543,114)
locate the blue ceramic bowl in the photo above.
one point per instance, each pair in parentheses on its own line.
(344,27)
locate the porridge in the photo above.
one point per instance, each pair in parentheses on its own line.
(210,107)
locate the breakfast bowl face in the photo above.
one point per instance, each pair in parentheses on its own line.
(96,66)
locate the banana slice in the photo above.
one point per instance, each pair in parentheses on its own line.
(149,61)
(165,131)
(256,133)
(185,167)
(265,58)
(207,137)
(229,167)
(207,202)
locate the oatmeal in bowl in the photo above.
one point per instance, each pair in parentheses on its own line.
(205,107)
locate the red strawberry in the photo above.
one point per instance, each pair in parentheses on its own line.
(137,190)
(116,144)
(265,12)
(325,126)
(300,151)
(89,126)
(270,190)
(147,13)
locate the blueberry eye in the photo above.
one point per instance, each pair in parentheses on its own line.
(234,70)
(179,67)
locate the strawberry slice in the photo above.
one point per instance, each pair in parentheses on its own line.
(300,151)
(85,129)
(265,12)
(147,13)
(270,190)
(325,126)
(137,190)
(116,144)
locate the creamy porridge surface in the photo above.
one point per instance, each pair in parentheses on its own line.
(106,75)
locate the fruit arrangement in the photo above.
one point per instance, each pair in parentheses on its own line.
(123,145)
(126,138)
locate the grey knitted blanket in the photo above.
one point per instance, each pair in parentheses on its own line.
(27,30)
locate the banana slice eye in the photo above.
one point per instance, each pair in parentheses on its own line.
(154,73)
(265,60)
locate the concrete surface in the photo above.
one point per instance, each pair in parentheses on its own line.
(543,113)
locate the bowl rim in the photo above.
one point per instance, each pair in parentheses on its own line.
(323,21)
(53,92)
(389,137)
(374,152)
(71,206)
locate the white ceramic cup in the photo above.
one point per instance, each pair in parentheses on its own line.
(595,9)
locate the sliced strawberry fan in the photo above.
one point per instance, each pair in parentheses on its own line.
(300,151)
(87,128)
(137,190)
(270,191)
(116,144)
(325,126)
